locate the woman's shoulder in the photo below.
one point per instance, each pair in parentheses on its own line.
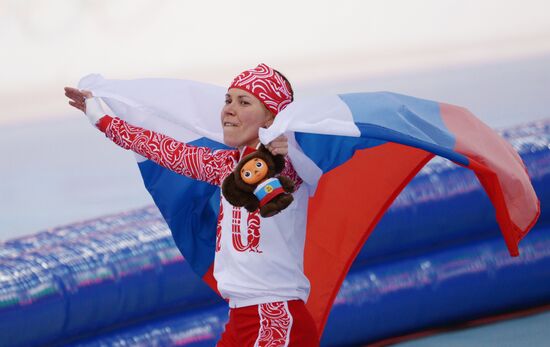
(229,157)
(227,153)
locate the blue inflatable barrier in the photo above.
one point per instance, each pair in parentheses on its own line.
(31,301)
(375,302)
(97,278)
(440,288)
(194,328)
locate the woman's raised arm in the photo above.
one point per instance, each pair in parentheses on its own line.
(199,163)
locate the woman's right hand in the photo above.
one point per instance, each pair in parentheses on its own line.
(77,97)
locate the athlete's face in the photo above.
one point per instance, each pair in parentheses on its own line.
(254,171)
(242,115)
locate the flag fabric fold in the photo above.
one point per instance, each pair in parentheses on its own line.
(355,152)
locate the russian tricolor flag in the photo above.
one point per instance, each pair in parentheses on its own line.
(355,152)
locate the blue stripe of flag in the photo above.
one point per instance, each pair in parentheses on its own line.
(403,119)
(189,207)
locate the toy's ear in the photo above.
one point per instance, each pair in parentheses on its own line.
(233,194)
(278,160)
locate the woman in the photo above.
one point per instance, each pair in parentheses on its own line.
(262,278)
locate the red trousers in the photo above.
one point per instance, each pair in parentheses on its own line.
(276,324)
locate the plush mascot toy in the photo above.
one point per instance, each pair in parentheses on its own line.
(253,184)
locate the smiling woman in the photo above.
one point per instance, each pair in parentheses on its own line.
(261,273)
(242,115)
(251,103)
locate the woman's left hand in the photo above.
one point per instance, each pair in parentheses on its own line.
(278,146)
(77,97)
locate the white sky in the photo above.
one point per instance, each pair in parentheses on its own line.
(48,44)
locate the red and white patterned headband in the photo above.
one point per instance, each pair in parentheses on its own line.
(267,85)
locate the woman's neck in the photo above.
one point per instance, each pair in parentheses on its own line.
(254,144)
(243,149)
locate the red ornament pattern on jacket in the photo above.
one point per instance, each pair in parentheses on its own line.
(200,163)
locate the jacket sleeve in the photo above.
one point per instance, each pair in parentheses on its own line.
(199,163)
(291,173)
